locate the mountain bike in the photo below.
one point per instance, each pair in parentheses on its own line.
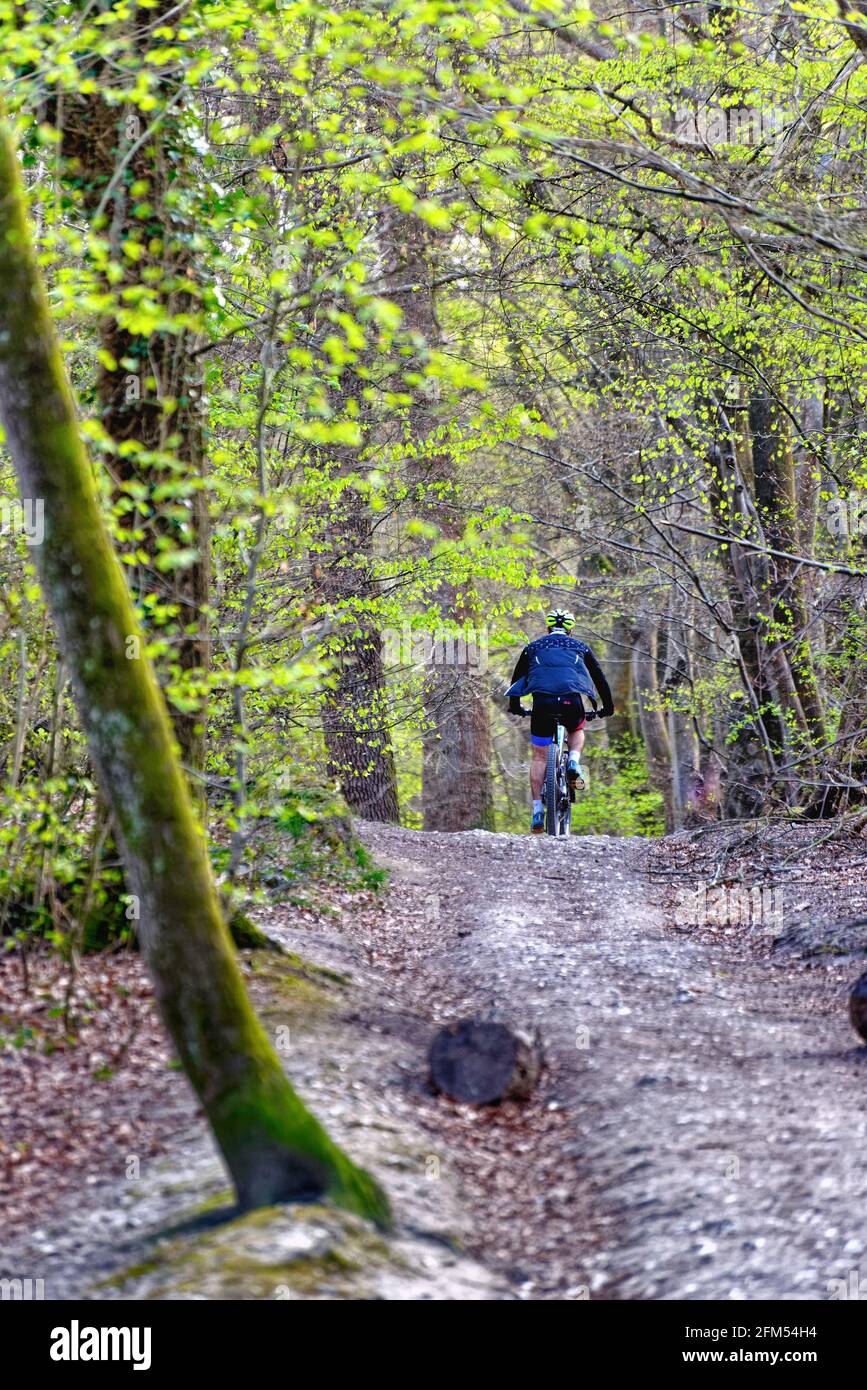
(557,795)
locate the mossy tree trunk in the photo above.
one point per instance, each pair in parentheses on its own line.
(274,1148)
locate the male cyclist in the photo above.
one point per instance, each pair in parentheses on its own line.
(558,671)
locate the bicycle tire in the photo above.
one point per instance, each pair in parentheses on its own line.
(552,791)
(566,817)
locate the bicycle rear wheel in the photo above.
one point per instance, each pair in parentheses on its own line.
(552,791)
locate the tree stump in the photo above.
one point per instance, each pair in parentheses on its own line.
(858,1006)
(485,1062)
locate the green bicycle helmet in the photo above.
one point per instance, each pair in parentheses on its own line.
(560,617)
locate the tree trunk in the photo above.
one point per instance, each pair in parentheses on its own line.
(777,506)
(753,755)
(456,784)
(95,137)
(842,770)
(273,1146)
(686,782)
(618,668)
(457,791)
(653,723)
(355,716)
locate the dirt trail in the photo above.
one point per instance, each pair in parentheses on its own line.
(699,1131)
(713,1126)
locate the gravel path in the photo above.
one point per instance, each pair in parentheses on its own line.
(710,1102)
(698,1132)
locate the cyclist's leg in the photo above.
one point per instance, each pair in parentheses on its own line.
(575,774)
(538,764)
(543,727)
(574,721)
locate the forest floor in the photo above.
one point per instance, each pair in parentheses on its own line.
(698,1131)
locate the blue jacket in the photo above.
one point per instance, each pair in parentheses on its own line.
(558,664)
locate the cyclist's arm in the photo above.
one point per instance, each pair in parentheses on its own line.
(597,675)
(522,667)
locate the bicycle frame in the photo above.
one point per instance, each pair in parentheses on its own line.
(557,797)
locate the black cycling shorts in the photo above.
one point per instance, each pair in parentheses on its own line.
(551,710)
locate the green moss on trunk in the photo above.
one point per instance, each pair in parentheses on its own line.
(273,1146)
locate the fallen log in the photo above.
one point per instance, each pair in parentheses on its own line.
(858,1006)
(483,1061)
